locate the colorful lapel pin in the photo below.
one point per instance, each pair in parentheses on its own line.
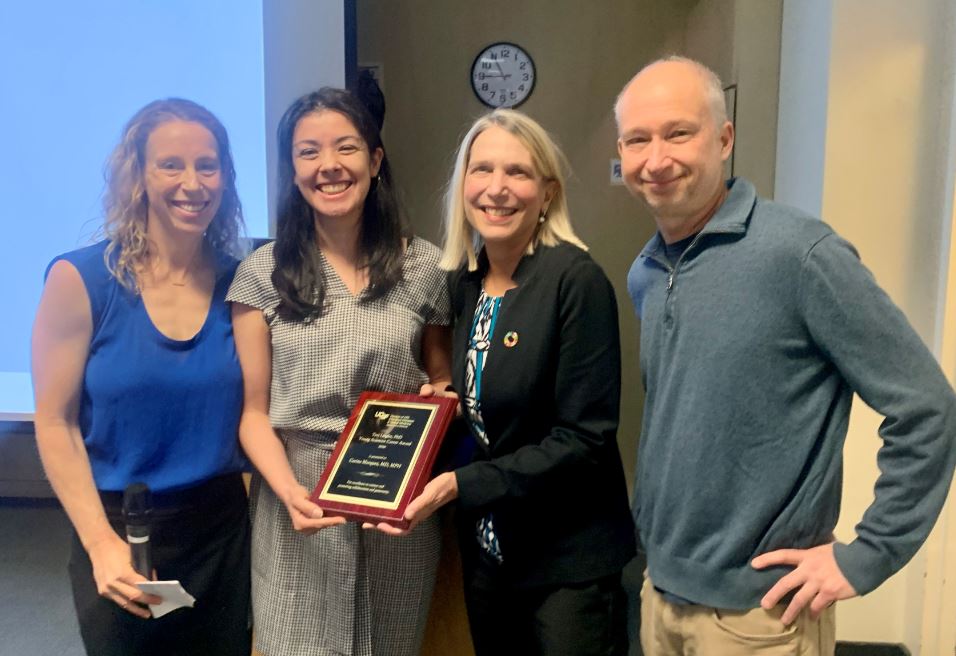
(511,338)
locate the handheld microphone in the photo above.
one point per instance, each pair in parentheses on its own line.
(137,510)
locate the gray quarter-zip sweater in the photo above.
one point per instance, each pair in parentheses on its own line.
(752,345)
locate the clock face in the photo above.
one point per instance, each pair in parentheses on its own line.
(502,75)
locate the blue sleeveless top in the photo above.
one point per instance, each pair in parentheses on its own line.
(153,409)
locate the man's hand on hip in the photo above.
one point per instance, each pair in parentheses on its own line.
(816,578)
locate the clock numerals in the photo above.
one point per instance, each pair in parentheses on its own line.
(502,75)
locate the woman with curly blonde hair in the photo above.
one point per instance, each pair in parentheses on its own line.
(136,380)
(126,204)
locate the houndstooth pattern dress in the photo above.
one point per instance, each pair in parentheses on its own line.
(343,590)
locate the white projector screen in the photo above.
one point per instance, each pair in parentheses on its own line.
(74,72)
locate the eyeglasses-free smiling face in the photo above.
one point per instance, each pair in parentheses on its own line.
(333,166)
(503,192)
(672,148)
(182,176)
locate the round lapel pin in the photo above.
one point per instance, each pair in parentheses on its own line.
(511,339)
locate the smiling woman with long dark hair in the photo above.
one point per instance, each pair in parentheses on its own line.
(344,300)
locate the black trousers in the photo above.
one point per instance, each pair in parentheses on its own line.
(200,536)
(574,619)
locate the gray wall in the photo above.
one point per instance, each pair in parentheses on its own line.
(21,474)
(584,53)
(303,49)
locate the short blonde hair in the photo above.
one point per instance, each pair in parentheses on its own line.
(461,243)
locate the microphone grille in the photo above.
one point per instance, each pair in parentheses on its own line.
(137,499)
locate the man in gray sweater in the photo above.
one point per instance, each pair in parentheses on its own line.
(758,323)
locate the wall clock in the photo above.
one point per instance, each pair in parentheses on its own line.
(502,75)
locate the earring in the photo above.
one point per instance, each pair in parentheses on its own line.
(542,217)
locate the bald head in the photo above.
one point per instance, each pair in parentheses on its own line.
(673,139)
(682,71)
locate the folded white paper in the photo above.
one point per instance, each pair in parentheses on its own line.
(172,592)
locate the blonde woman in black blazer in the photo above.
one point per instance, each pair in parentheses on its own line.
(544,519)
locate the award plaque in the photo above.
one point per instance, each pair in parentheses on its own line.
(384,456)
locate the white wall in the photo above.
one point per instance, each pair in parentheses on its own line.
(865,135)
(938,629)
(801,118)
(304,43)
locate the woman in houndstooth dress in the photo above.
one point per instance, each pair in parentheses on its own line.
(344,301)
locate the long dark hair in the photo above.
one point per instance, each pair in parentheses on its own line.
(297,276)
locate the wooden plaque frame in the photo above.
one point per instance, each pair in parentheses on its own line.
(384,456)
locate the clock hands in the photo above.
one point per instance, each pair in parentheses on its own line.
(500,72)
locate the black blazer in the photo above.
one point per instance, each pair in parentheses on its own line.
(552,475)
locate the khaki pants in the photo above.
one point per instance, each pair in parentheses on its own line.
(670,629)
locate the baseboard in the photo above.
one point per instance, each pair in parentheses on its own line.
(870,649)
